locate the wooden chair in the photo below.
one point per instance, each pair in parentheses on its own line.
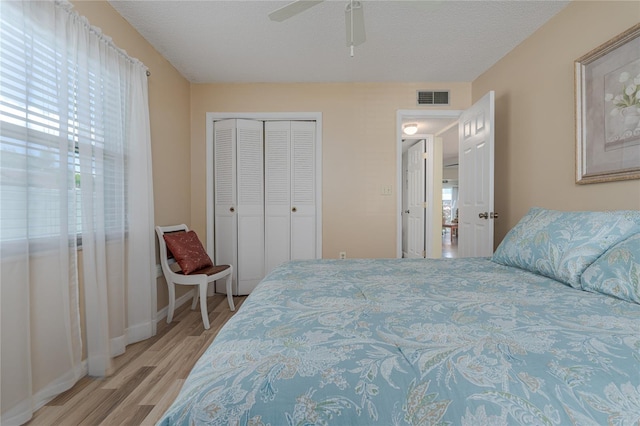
(200,278)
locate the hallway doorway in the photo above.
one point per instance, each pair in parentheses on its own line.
(431,124)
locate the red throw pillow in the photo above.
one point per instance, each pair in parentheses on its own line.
(188,251)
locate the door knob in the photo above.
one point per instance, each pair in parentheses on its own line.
(294,209)
(406,211)
(493,215)
(484,215)
(231,209)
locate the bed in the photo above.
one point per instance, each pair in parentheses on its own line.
(547,331)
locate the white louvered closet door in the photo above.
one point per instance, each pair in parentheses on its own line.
(290,211)
(239,200)
(250,187)
(303,190)
(225,219)
(277,143)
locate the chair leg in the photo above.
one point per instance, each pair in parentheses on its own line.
(203,305)
(194,302)
(172,301)
(229,295)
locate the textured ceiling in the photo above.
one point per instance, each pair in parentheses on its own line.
(407,41)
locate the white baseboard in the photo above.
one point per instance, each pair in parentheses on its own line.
(186,298)
(23,412)
(162,313)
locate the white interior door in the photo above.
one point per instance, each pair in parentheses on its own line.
(405,205)
(476,199)
(416,198)
(303,190)
(290,192)
(226,242)
(250,208)
(277,163)
(237,192)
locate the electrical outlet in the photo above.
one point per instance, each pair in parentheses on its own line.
(342,255)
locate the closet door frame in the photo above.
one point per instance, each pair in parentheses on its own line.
(211,117)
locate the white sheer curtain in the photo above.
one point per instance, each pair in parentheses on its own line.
(75,168)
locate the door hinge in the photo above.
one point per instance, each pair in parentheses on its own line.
(424,205)
(424,253)
(425,155)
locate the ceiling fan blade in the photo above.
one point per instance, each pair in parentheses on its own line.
(354,14)
(292,9)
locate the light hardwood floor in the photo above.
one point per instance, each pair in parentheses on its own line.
(146,378)
(449,245)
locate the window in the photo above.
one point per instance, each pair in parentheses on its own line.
(54,116)
(447,204)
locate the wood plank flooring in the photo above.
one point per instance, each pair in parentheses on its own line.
(449,245)
(147,377)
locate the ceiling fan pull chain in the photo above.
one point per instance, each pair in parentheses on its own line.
(351,17)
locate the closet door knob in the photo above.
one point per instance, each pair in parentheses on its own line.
(293,209)
(484,215)
(231,209)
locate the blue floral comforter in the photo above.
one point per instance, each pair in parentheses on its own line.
(415,342)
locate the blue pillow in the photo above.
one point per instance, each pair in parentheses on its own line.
(561,245)
(617,272)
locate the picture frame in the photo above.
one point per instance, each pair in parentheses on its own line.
(607,110)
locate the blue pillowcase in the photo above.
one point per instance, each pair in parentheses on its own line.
(617,272)
(561,245)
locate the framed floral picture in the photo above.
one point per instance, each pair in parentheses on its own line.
(607,88)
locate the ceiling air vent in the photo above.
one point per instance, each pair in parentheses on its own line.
(430,97)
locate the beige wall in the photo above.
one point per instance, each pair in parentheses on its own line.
(535,133)
(169,115)
(358,145)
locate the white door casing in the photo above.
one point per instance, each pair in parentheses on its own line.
(416,197)
(476,179)
(433,197)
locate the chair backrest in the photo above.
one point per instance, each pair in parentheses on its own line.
(164,253)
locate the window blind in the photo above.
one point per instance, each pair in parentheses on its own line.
(55,108)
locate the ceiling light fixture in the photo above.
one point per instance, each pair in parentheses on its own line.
(410,129)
